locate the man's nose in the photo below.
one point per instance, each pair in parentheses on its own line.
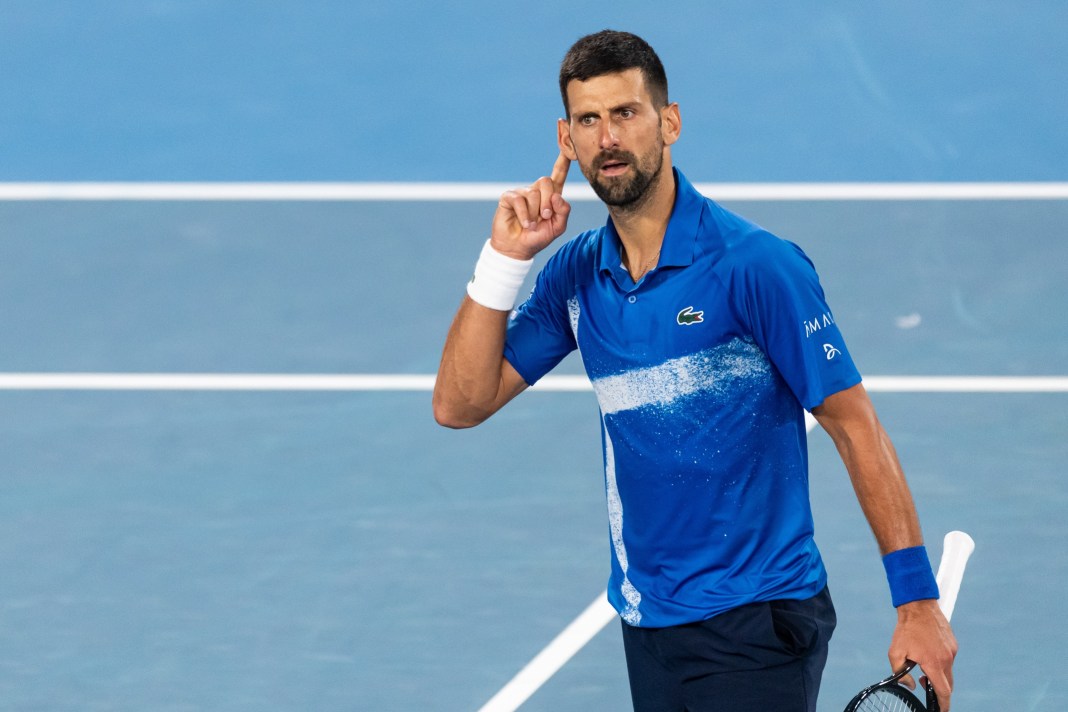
(609,135)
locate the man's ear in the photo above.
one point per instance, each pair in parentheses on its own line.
(671,123)
(563,139)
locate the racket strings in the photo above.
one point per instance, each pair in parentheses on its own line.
(885,701)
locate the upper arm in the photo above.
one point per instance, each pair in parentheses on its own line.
(474,379)
(512,384)
(469,415)
(846,412)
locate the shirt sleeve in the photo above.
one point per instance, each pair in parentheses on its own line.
(539,330)
(778,295)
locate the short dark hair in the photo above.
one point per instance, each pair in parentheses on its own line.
(608,52)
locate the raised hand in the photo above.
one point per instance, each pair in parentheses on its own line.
(528,219)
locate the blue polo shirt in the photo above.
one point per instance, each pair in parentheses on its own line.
(702,370)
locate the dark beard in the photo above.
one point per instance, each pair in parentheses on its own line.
(627,193)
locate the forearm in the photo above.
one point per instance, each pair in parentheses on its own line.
(873,467)
(881,489)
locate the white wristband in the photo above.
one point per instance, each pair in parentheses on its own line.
(497,279)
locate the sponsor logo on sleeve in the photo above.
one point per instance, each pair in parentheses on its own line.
(820,322)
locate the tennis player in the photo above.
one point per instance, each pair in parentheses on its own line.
(706,338)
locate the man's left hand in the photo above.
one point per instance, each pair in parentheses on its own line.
(923,636)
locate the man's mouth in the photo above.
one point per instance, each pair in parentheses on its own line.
(613,167)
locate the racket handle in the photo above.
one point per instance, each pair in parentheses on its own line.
(956,549)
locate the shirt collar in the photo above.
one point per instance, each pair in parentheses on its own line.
(681,237)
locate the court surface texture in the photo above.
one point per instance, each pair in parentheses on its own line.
(232,240)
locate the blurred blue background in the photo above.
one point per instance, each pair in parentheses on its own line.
(832,90)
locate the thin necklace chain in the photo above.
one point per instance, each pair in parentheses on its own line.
(647,266)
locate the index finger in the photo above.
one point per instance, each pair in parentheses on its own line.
(559,174)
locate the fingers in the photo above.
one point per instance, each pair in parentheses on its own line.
(942,684)
(554,186)
(518,204)
(938,674)
(899,661)
(528,219)
(540,201)
(545,189)
(530,205)
(560,206)
(559,173)
(561,211)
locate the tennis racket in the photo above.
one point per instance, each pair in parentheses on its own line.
(889,696)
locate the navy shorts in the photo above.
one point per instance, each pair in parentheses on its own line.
(762,656)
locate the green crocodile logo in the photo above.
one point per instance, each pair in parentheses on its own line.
(688,316)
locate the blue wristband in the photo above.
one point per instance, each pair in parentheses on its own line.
(908,571)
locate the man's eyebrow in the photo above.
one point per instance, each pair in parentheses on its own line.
(626,105)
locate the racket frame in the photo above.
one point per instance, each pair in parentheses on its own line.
(904,692)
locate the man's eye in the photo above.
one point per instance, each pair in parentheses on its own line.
(587,120)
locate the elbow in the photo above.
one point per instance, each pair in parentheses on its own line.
(448,419)
(450,416)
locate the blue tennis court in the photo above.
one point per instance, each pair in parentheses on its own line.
(170,547)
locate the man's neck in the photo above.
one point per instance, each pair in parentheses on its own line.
(641,229)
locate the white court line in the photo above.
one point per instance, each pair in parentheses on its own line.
(553,657)
(318,191)
(967,384)
(425,382)
(214,382)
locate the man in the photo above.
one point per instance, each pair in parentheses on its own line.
(705,338)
